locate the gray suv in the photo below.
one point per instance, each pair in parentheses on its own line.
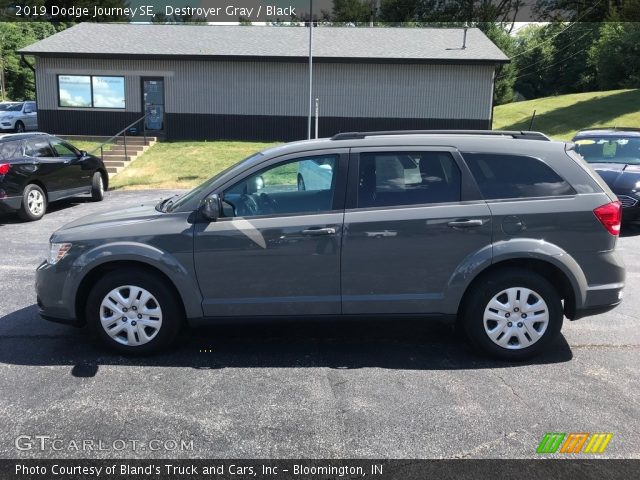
(505,232)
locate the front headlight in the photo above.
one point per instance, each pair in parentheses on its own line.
(57,251)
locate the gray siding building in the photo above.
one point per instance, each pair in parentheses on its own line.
(239,82)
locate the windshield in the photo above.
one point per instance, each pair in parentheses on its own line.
(186,198)
(609,149)
(10,107)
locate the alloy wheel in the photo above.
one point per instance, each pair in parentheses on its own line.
(35,202)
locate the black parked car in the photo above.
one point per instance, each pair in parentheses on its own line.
(37,168)
(615,154)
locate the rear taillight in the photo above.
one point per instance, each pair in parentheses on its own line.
(610,215)
(4,168)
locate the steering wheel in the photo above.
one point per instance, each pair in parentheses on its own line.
(269,204)
(246,206)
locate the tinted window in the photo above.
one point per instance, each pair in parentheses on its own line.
(277,190)
(515,176)
(38,148)
(10,150)
(63,149)
(406,178)
(31,106)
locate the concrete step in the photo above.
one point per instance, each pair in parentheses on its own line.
(130,148)
(118,158)
(114,163)
(135,141)
(113,170)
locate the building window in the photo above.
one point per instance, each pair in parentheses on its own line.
(87,91)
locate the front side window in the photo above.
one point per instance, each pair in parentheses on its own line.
(298,186)
(502,176)
(63,149)
(407,178)
(86,91)
(38,148)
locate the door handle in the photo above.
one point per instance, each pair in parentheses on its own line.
(466,223)
(319,231)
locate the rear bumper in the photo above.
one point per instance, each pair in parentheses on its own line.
(10,204)
(600,299)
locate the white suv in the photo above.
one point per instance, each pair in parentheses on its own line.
(18,116)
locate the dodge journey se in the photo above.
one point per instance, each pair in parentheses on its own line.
(505,232)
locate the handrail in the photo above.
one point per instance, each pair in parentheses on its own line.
(121,132)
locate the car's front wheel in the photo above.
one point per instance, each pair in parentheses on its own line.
(513,314)
(134,312)
(97,187)
(34,203)
(19,127)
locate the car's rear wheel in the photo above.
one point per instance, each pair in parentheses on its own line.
(34,203)
(301,186)
(512,314)
(19,127)
(97,187)
(134,312)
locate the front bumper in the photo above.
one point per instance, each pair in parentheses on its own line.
(10,204)
(53,295)
(6,126)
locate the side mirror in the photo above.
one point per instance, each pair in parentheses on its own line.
(83,154)
(212,207)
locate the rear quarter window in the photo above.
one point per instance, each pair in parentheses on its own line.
(10,151)
(504,176)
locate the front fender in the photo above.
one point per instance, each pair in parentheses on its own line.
(514,249)
(181,276)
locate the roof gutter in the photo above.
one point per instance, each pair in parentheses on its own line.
(253,58)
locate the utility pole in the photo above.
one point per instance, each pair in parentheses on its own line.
(310,69)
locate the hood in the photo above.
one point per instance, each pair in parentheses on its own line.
(128,216)
(621,177)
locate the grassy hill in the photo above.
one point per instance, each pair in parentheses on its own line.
(562,116)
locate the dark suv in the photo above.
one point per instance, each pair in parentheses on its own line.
(507,232)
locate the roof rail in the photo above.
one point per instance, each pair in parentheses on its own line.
(497,133)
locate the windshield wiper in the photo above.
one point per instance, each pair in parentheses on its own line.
(163,205)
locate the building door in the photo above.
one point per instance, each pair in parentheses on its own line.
(153,103)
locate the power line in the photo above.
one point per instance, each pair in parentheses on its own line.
(541,60)
(560,32)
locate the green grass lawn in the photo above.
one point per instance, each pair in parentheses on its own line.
(183,164)
(562,116)
(186,164)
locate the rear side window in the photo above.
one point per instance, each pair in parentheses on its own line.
(38,148)
(10,150)
(407,178)
(515,176)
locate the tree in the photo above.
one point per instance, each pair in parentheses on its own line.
(19,77)
(615,56)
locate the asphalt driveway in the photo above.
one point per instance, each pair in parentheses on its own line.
(398,389)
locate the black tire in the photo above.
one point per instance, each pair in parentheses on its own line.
(301,185)
(171,318)
(97,187)
(19,127)
(27,210)
(473,313)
